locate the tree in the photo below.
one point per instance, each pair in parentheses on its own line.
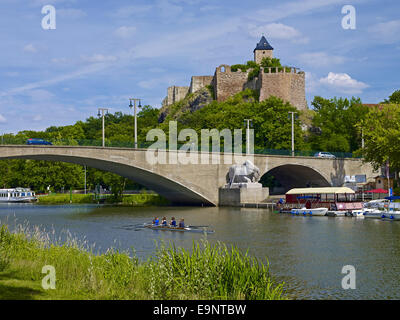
(394,97)
(271,122)
(381,129)
(337,119)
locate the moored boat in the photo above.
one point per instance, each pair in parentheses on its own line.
(17,195)
(311,212)
(336,201)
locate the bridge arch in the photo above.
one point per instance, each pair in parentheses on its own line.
(284,177)
(174,190)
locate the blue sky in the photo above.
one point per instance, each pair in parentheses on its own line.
(103,52)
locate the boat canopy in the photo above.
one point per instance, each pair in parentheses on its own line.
(307,197)
(323,190)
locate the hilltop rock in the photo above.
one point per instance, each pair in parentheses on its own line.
(192,102)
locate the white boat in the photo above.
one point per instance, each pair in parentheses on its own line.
(374,209)
(392,215)
(360,213)
(17,195)
(311,212)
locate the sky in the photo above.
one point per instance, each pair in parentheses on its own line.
(101,53)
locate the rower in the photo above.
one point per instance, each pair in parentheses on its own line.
(173,222)
(182,223)
(156,221)
(164,221)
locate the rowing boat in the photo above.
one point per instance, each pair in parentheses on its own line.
(168,228)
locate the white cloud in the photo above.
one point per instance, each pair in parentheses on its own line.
(2,119)
(125,32)
(386,32)
(71,13)
(40,95)
(277,31)
(30,48)
(296,8)
(98,58)
(37,117)
(208,8)
(343,83)
(168,9)
(128,11)
(59,60)
(320,59)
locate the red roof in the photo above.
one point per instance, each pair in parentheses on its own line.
(377,191)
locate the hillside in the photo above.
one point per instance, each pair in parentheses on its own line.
(192,102)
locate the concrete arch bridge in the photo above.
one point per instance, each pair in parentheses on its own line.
(193,184)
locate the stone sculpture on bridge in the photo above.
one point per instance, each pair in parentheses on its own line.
(244,175)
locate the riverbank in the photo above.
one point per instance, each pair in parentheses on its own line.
(207,272)
(136,200)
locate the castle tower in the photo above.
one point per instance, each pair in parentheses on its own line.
(262,50)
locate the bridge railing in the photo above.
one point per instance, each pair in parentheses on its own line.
(145,145)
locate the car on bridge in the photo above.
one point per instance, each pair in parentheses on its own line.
(32,141)
(325,155)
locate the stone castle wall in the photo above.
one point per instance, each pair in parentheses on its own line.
(289,86)
(199,82)
(227,83)
(175,94)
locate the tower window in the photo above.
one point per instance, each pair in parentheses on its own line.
(263,52)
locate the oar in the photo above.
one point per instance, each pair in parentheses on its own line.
(197,226)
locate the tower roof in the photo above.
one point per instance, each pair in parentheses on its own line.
(263,45)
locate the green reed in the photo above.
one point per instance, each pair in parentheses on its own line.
(206,271)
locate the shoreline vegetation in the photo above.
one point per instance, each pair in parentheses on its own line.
(205,272)
(136,200)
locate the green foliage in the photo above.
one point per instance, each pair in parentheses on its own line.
(268,62)
(142,199)
(337,119)
(381,128)
(394,97)
(253,73)
(65,198)
(206,272)
(38,175)
(271,124)
(211,90)
(255,68)
(244,67)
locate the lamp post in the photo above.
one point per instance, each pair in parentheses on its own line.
(248,122)
(135,116)
(85,179)
(103,111)
(292,113)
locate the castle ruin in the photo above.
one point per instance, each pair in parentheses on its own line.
(287,83)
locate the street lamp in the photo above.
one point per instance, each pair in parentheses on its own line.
(248,123)
(134,113)
(103,111)
(293,113)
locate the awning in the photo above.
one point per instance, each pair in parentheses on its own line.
(326,190)
(377,191)
(393,198)
(307,197)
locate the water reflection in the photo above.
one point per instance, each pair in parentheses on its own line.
(308,253)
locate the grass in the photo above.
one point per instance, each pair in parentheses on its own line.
(205,272)
(136,200)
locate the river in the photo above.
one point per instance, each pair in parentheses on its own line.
(308,253)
